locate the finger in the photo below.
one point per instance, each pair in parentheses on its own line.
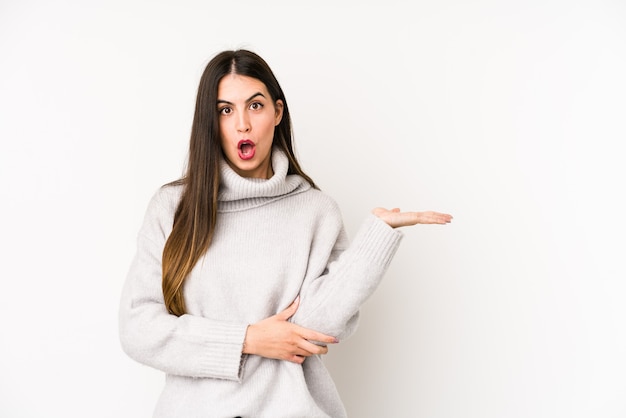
(296,359)
(436,217)
(412,218)
(308,348)
(311,335)
(314,350)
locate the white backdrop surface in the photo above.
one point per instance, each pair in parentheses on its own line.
(507,114)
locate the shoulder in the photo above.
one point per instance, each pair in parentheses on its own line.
(322,200)
(166,198)
(323,208)
(159,216)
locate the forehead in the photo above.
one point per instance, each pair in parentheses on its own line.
(235,87)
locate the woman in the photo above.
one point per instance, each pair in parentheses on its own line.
(243,273)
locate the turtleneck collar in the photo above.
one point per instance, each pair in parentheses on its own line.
(241,193)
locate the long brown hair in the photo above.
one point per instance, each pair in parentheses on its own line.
(196,215)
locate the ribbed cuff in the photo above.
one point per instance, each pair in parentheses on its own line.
(222,349)
(376,242)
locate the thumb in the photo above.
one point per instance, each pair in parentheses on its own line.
(290,310)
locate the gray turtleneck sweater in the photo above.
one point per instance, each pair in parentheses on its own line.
(275,239)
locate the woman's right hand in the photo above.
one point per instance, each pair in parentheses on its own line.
(276,338)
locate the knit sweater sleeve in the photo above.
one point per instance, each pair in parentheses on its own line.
(351,272)
(187,345)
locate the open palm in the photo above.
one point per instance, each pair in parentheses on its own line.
(395,218)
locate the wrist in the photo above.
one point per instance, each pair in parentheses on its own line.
(247,341)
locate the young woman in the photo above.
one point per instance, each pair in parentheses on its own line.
(243,273)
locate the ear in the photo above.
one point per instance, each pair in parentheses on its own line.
(278,116)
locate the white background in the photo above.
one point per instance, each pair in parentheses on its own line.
(510,115)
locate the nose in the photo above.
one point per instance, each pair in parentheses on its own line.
(243,122)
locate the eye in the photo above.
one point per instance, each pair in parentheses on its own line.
(256,106)
(225,110)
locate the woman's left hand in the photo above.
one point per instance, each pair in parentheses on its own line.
(394,218)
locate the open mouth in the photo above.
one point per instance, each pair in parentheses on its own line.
(246,149)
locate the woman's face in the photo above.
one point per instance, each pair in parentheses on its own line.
(247,118)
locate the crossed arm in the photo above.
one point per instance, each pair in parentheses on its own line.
(201,347)
(275,337)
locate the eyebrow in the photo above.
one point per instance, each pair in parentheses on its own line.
(219,101)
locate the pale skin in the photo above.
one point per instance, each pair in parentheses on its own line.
(247,113)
